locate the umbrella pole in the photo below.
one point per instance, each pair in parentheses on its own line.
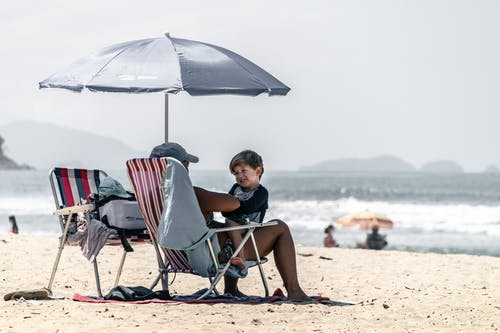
(166,117)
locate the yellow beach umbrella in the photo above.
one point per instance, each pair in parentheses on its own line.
(366,220)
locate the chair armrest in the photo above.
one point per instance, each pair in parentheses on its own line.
(251,225)
(74,209)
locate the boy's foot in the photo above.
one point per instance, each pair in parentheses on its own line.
(239,262)
(298,296)
(235,293)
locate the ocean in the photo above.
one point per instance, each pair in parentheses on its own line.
(456,213)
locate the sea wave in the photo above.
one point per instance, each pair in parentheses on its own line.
(414,217)
(316,214)
(27,205)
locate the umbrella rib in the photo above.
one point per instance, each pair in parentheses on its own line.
(178,60)
(103,66)
(241,66)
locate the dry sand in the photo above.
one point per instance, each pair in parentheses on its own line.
(396,291)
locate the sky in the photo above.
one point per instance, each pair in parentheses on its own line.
(418,79)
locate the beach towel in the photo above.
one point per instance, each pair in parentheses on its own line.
(277,297)
(127,294)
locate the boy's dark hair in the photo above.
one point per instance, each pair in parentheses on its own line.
(247,157)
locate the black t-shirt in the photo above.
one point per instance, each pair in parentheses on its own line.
(253,204)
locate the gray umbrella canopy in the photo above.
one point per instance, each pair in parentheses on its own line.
(166,65)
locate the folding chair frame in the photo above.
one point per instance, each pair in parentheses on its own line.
(163,263)
(250,227)
(65,215)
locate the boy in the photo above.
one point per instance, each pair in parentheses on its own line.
(247,168)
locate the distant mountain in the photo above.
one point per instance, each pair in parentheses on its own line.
(492,170)
(442,167)
(45,146)
(7,163)
(384,163)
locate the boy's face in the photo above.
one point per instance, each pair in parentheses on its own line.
(246,176)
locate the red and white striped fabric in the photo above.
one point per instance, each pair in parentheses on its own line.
(146,176)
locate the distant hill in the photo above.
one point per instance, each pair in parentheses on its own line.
(8,164)
(384,163)
(45,146)
(492,170)
(442,167)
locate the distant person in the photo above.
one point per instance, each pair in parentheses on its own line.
(374,240)
(329,241)
(13,225)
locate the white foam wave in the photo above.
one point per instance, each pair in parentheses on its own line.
(37,205)
(314,215)
(466,218)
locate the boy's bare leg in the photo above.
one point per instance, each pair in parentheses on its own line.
(230,283)
(231,286)
(235,236)
(277,238)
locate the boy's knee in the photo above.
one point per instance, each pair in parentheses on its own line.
(281,224)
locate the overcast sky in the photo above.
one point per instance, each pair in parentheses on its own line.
(416,79)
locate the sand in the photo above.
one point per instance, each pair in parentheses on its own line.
(395,291)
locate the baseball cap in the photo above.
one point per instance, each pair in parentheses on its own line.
(172,149)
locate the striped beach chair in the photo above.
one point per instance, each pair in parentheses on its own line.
(71,189)
(146,177)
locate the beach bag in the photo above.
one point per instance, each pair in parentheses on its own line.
(124,214)
(118,209)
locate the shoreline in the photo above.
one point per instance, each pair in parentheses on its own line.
(395,291)
(390,248)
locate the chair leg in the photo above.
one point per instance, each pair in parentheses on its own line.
(155,281)
(163,275)
(216,292)
(221,272)
(162,269)
(259,263)
(62,241)
(97,280)
(120,268)
(118,274)
(215,280)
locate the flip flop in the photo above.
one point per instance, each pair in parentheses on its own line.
(28,294)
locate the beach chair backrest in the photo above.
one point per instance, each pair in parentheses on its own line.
(73,186)
(182,225)
(145,175)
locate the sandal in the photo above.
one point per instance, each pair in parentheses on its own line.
(226,251)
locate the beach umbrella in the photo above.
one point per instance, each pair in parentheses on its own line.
(366,220)
(166,65)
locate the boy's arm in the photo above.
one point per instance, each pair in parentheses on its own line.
(215,201)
